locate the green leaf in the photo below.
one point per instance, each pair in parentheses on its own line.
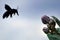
(54,36)
(57,20)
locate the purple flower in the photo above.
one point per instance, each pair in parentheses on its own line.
(45,19)
(45,30)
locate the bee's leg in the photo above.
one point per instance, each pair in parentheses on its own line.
(10,15)
(17,13)
(13,13)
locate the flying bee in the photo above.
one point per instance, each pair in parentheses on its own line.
(9,11)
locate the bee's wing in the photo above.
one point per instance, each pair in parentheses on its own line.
(5,15)
(7,7)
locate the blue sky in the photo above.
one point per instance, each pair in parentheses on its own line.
(28,25)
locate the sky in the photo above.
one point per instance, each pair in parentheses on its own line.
(28,25)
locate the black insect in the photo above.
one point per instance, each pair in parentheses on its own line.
(9,11)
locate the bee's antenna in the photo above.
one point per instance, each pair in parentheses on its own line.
(17,10)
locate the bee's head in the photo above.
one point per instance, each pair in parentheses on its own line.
(15,11)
